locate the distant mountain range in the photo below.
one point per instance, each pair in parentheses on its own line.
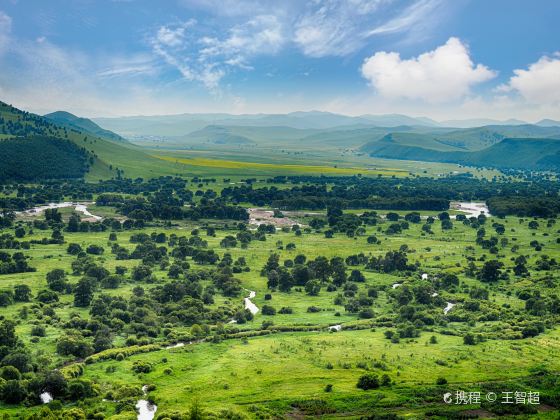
(183,124)
(478,142)
(506,144)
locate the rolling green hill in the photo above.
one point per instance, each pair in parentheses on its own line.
(218,135)
(109,158)
(520,153)
(84,125)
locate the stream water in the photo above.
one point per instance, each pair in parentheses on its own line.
(46,397)
(249,304)
(79,207)
(470,208)
(146,410)
(448,307)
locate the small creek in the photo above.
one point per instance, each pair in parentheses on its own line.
(249,304)
(79,207)
(146,410)
(448,307)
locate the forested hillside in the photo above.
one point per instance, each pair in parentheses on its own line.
(107,159)
(39,158)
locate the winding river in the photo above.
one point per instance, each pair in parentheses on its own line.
(470,208)
(249,304)
(79,207)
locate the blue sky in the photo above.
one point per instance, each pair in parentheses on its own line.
(438,58)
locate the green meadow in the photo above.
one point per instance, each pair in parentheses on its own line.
(285,372)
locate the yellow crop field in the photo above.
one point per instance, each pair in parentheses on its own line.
(278,167)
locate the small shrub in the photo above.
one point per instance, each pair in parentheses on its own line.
(368,381)
(441,381)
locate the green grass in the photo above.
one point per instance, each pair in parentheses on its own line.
(276,369)
(292,366)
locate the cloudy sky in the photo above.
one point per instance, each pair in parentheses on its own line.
(437,58)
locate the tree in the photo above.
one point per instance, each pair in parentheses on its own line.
(320,267)
(413,217)
(56,280)
(313,287)
(533,224)
(272,263)
(19,359)
(8,336)
(520,268)
(285,280)
(95,249)
(22,293)
(10,372)
(268,310)
(385,380)
(141,272)
(446,224)
(228,242)
(448,280)
(102,340)
(38,331)
(423,293)
(73,344)
(357,276)
(478,293)
(83,292)
(74,249)
(368,381)
(6,297)
(301,274)
(73,223)
(13,392)
(52,215)
(47,296)
(469,339)
(490,271)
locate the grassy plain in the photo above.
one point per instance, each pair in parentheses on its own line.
(272,375)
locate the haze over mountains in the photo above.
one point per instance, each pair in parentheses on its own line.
(474,142)
(100,148)
(182,124)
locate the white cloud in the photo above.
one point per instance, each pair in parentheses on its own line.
(261,35)
(333,27)
(171,37)
(340,28)
(208,59)
(444,74)
(539,84)
(138,65)
(415,14)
